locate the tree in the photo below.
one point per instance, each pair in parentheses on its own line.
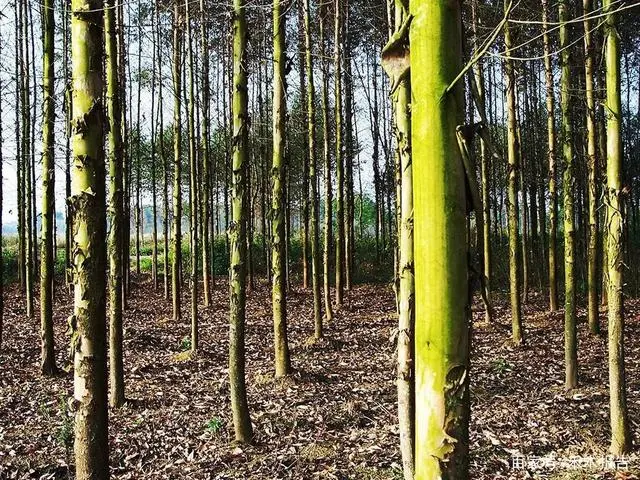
(551,146)
(278,238)
(177,170)
(48,360)
(440,226)
(328,194)
(116,207)
(193,186)
(340,243)
(313,181)
(91,445)
(398,48)
(620,431)
(512,203)
(592,247)
(570,330)
(237,229)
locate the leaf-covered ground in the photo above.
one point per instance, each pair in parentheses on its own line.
(333,419)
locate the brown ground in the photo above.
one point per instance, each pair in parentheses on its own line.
(334,419)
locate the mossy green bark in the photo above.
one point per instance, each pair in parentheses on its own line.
(512,191)
(278,234)
(116,213)
(440,234)
(47,357)
(313,180)
(592,239)
(570,328)
(238,229)
(619,416)
(337,65)
(91,446)
(193,185)
(177,167)
(551,146)
(328,193)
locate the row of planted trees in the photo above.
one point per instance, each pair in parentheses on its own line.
(252,179)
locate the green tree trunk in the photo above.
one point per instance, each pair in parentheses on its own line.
(328,195)
(592,246)
(397,49)
(193,186)
(570,329)
(485,165)
(313,180)
(91,444)
(177,160)
(440,226)
(116,207)
(278,238)
(48,360)
(512,186)
(620,429)
(237,229)
(551,146)
(337,58)
(206,210)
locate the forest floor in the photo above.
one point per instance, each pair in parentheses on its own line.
(335,418)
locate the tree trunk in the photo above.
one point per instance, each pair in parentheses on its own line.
(193,186)
(237,229)
(440,235)
(337,57)
(570,330)
(278,179)
(551,131)
(512,202)
(206,160)
(328,200)
(177,160)
(116,216)
(91,444)
(620,429)
(48,360)
(592,247)
(406,291)
(313,180)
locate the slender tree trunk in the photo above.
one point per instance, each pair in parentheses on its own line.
(193,186)
(206,160)
(551,131)
(592,247)
(27,161)
(91,444)
(237,229)
(177,160)
(620,429)
(313,180)
(165,169)
(328,200)
(337,41)
(485,165)
(278,179)
(154,201)
(116,215)
(440,227)
(570,330)
(398,48)
(305,201)
(48,360)
(512,203)
(348,153)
